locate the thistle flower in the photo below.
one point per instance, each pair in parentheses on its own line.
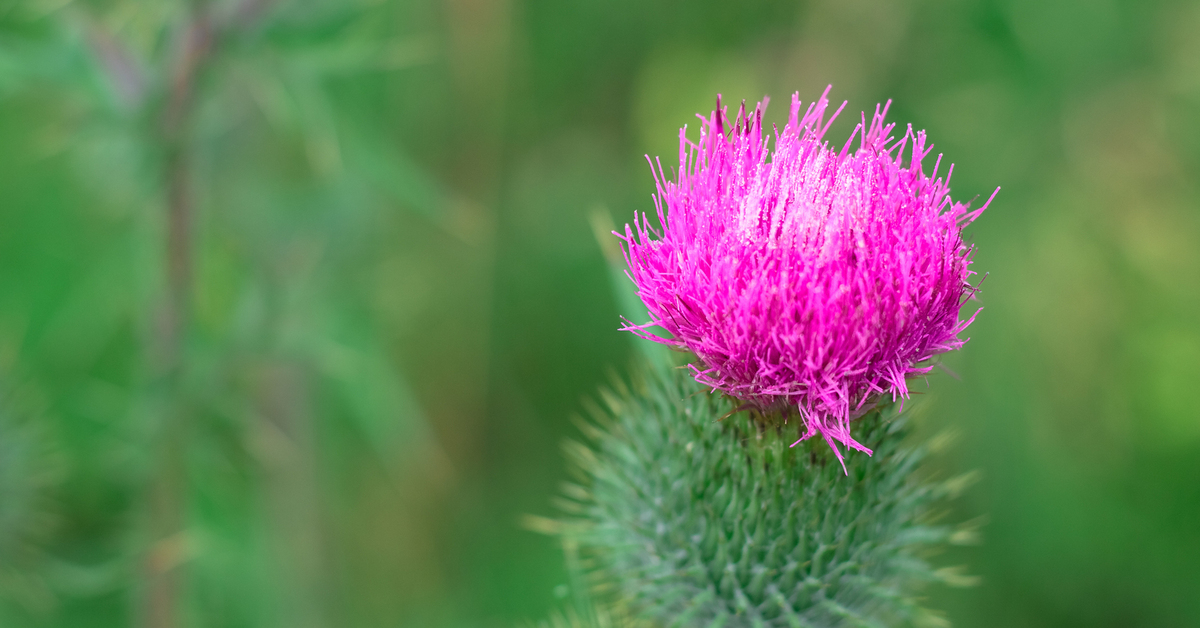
(804,278)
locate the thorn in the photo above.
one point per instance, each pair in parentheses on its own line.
(947,370)
(744,406)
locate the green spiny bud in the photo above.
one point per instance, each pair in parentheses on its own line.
(700,522)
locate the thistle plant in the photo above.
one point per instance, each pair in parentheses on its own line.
(809,285)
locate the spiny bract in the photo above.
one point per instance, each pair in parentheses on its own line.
(804,278)
(693,522)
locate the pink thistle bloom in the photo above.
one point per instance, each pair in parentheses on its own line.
(804,277)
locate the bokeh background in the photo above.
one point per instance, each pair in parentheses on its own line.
(297,297)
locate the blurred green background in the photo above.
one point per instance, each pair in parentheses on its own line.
(330,396)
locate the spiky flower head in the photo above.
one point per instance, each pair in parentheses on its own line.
(804,278)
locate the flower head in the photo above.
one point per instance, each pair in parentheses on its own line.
(806,277)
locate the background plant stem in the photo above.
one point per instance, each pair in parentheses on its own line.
(163,571)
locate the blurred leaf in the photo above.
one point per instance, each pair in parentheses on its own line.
(31,469)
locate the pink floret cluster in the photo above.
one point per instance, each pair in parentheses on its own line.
(805,279)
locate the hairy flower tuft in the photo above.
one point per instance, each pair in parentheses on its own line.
(804,278)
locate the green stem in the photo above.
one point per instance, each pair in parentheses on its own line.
(162,572)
